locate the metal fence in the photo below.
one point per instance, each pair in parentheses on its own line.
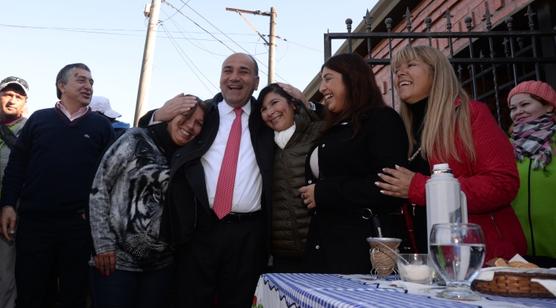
(488,63)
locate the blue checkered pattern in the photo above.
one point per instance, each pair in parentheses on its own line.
(324,290)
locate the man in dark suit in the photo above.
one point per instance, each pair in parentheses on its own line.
(221,252)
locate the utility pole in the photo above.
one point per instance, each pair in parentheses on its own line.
(146,68)
(271,45)
(272,36)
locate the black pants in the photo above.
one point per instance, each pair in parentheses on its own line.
(127,289)
(221,265)
(52,247)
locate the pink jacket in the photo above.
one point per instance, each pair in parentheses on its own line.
(490,184)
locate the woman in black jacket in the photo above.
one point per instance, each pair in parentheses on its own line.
(362,135)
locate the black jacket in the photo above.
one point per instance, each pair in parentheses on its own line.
(345,189)
(187,195)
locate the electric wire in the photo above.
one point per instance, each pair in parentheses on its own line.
(174,14)
(191,63)
(231,39)
(81,30)
(215,27)
(190,41)
(198,25)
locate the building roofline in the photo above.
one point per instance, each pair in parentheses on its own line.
(379,12)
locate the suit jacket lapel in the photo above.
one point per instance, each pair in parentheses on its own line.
(195,175)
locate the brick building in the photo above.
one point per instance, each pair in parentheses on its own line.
(493,44)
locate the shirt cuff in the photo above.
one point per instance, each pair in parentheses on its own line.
(152,120)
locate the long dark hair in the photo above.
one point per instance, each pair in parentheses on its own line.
(362,93)
(275,88)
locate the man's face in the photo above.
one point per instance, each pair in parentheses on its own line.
(12,100)
(238,79)
(78,89)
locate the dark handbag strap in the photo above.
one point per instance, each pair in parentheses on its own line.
(8,136)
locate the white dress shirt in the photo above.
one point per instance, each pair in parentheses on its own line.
(76,115)
(248,183)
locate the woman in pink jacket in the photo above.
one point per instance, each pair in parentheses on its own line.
(444,125)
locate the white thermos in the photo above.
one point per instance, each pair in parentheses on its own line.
(446,203)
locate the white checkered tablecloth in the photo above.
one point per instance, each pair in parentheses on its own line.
(330,290)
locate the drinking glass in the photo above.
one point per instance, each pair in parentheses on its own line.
(457,252)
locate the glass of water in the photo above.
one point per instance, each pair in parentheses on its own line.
(457,252)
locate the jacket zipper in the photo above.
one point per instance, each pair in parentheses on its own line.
(493,220)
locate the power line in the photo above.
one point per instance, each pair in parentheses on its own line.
(194,45)
(298,44)
(253,28)
(195,23)
(215,27)
(117,32)
(191,63)
(231,39)
(106,30)
(82,30)
(211,34)
(170,17)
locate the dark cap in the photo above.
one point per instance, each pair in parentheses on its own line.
(17,81)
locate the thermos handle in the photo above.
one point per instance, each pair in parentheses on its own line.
(463,206)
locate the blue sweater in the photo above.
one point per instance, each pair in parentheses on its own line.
(53,165)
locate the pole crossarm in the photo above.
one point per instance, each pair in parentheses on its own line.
(270,43)
(257,12)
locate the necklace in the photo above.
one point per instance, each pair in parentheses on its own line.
(414,154)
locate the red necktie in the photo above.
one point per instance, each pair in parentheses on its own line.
(226,179)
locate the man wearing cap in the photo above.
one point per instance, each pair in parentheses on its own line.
(13,100)
(102,105)
(49,175)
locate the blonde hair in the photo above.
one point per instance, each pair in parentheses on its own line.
(443,119)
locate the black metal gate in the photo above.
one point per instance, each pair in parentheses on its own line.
(488,63)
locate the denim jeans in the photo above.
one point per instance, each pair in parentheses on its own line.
(123,289)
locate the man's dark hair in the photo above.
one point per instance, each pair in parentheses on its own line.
(64,74)
(255,63)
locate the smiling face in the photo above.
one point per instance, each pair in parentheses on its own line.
(12,100)
(78,90)
(524,108)
(413,80)
(183,129)
(277,112)
(334,90)
(238,79)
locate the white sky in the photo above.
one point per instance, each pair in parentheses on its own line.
(39,37)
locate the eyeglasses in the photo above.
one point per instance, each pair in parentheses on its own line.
(16,79)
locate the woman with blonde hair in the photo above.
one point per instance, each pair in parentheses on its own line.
(445,126)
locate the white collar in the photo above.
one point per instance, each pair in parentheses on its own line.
(226,108)
(281,138)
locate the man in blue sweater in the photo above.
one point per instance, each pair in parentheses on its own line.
(48,177)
